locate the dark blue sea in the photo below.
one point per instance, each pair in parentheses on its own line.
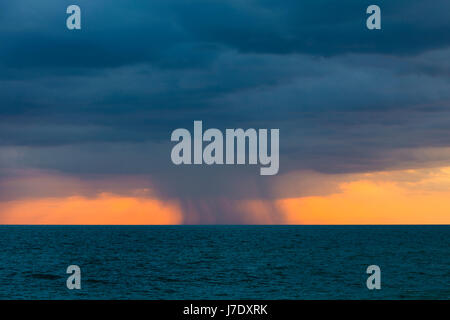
(225,262)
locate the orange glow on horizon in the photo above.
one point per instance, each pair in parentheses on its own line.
(105,209)
(376,199)
(419,196)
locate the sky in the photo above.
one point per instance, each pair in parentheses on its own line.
(86,115)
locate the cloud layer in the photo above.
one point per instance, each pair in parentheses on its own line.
(100,103)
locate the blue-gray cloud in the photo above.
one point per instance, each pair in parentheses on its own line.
(104,100)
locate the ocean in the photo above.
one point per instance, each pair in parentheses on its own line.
(225,262)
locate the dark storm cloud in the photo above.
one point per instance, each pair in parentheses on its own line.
(185,34)
(104,100)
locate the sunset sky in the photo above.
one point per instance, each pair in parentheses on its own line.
(86,116)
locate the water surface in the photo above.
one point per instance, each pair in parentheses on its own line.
(224,262)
